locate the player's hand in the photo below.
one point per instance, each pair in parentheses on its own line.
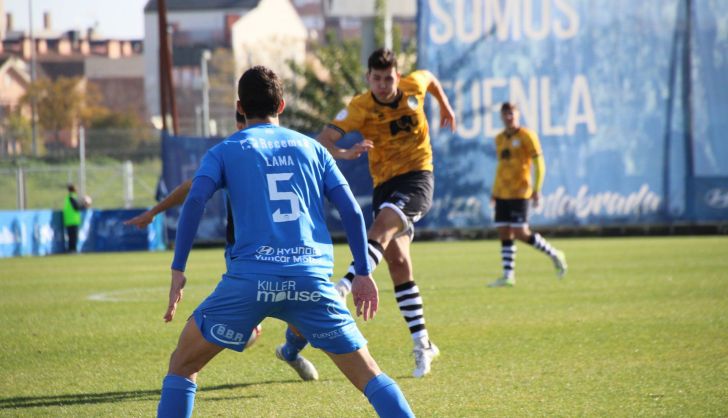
(176,291)
(536,199)
(447,117)
(366,296)
(140,221)
(358,149)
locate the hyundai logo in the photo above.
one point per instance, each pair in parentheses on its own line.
(265,250)
(717,198)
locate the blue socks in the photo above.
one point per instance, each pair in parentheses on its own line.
(178,397)
(294,344)
(386,398)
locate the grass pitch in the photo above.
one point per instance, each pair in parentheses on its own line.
(638,327)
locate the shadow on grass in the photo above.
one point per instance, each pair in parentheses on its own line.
(111,397)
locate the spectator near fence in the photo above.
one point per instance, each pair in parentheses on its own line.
(72,216)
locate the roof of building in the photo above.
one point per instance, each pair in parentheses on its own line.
(9,61)
(181,5)
(66,67)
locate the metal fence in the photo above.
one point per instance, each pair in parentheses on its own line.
(110,184)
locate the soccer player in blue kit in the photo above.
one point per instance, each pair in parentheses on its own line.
(288,352)
(282,258)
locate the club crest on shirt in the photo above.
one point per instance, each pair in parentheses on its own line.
(412,102)
(342,115)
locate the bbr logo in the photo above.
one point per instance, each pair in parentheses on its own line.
(226,335)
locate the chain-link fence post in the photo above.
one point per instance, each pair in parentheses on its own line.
(20,186)
(128,174)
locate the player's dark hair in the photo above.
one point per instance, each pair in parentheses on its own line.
(382,59)
(260,92)
(508,107)
(71,188)
(239,118)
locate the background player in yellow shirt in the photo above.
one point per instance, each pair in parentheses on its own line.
(391,118)
(516,148)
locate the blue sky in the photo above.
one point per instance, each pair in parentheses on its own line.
(123,19)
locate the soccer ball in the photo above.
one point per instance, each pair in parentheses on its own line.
(254,335)
(87,201)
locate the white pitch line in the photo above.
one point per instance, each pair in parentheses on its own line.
(134,294)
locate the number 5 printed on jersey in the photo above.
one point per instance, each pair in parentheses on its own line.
(273,180)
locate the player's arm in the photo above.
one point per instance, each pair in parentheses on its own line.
(364,289)
(539,165)
(331,135)
(447,115)
(176,198)
(189,220)
(539,171)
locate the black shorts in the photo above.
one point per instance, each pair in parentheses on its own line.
(511,212)
(409,194)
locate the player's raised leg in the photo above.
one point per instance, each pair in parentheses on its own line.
(374,254)
(410,303)
(541,244)
(193,352)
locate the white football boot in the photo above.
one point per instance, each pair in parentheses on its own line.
(343,288)
(303,367)
(560,263)
(423,359)
(504,282)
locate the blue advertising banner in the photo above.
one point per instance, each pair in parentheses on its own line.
(41,232)
(180,158)
(629,100)
(182,155)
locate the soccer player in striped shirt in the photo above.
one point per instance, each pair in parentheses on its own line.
(391,118)
(517,147)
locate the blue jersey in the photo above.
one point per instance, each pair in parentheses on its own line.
(276,180)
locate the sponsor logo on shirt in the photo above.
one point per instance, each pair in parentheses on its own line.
(412,102)
(341,115)
(265,250)
(287,255)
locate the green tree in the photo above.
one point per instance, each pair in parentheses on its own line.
(223,89)
(62,104)
(15,132)
(380,8)
(119,135)
(324,84)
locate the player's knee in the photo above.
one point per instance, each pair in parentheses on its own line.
(523,234)
(184,366)
(398,265)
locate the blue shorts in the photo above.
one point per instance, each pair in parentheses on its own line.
(310,304)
